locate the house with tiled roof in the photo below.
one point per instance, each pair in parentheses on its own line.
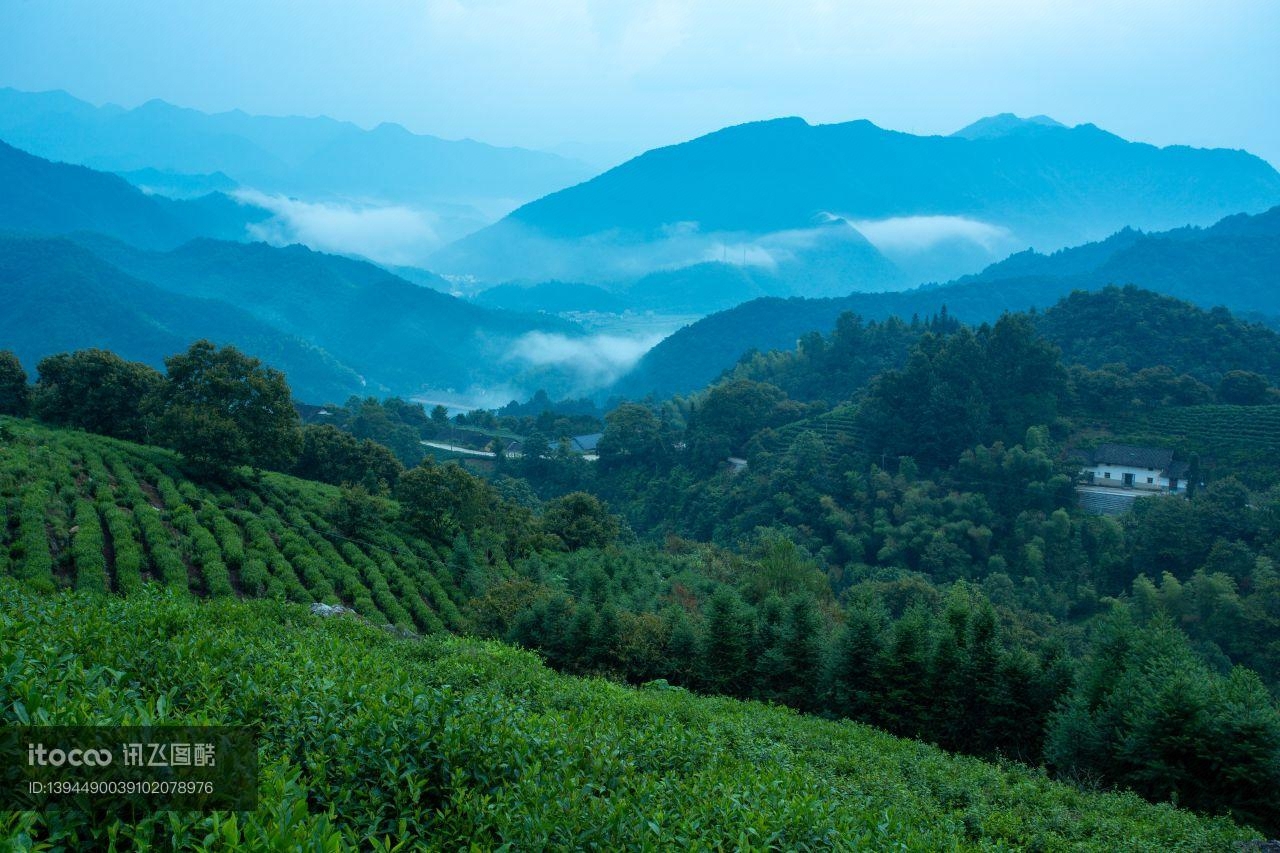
(1127,466)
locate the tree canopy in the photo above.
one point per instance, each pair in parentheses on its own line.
(221,408)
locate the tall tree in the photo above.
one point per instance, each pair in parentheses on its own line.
(14,393)
(856,654)
(97,391)
(726,637)
(580,520)
(221,408)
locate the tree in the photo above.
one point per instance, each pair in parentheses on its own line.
(904,667)
(14,394)
(97,391)
(802,646)
(1243,388)
(854,672)
(731,413)
(444,500)
(359,514)
(333,456)
(725,640)
(581,520)
(1148,714)
(385,424)
(221,408)
(631,436)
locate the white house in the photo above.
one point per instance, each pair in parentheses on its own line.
(1124,466)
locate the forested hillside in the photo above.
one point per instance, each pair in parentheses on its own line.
(143,275)
(43,197)
(59,297)
(1231,264)
(913,560)
(398,336)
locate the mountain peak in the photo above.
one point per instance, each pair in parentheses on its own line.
(1005,124)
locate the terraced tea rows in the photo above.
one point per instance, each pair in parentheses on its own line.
(838,429)
(98,514)
(1241,429)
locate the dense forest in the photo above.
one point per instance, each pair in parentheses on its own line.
(900,544)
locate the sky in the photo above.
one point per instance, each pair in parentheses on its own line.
(605,79)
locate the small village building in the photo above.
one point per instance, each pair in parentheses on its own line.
(588,445)
(1126,466)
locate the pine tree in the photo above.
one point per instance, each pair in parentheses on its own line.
(725,639)
(802,645)
(906,705)
(854,674)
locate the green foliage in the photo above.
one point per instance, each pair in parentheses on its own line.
(632,437)
(1243,388)
(14,393)
(835,367)
(221,408)
(970,388)
(331,455)
(580,520)
(133,519)
(97,391)
(1150,716)
(442,501)
(1143,329)
(87,548)
(455,743)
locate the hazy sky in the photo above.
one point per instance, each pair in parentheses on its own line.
(618,77)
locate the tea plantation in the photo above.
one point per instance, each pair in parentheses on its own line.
(130,595)
(373,741)
(100,514)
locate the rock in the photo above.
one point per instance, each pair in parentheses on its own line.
(320,609)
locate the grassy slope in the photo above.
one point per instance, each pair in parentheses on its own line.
(476,743)
(502,749)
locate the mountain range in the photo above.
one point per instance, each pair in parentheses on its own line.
(60,297)
(43,197)
(746,213)
(88,260)
(459,185)
(1234,263)
(892,209)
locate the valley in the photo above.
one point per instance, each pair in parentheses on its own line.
(639,426)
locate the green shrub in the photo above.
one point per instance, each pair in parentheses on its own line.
(448,743)
(88,549)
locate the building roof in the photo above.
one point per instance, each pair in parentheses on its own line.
(587,443)
(1132,456)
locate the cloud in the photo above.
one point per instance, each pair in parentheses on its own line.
(593,362)
(915,233)
(392,234)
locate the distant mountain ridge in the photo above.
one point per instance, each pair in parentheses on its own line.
(398,335)
(1235,263)
(767,188)
(1005,124)
(44,197)
(91,261)
(466,183)
(59,297)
